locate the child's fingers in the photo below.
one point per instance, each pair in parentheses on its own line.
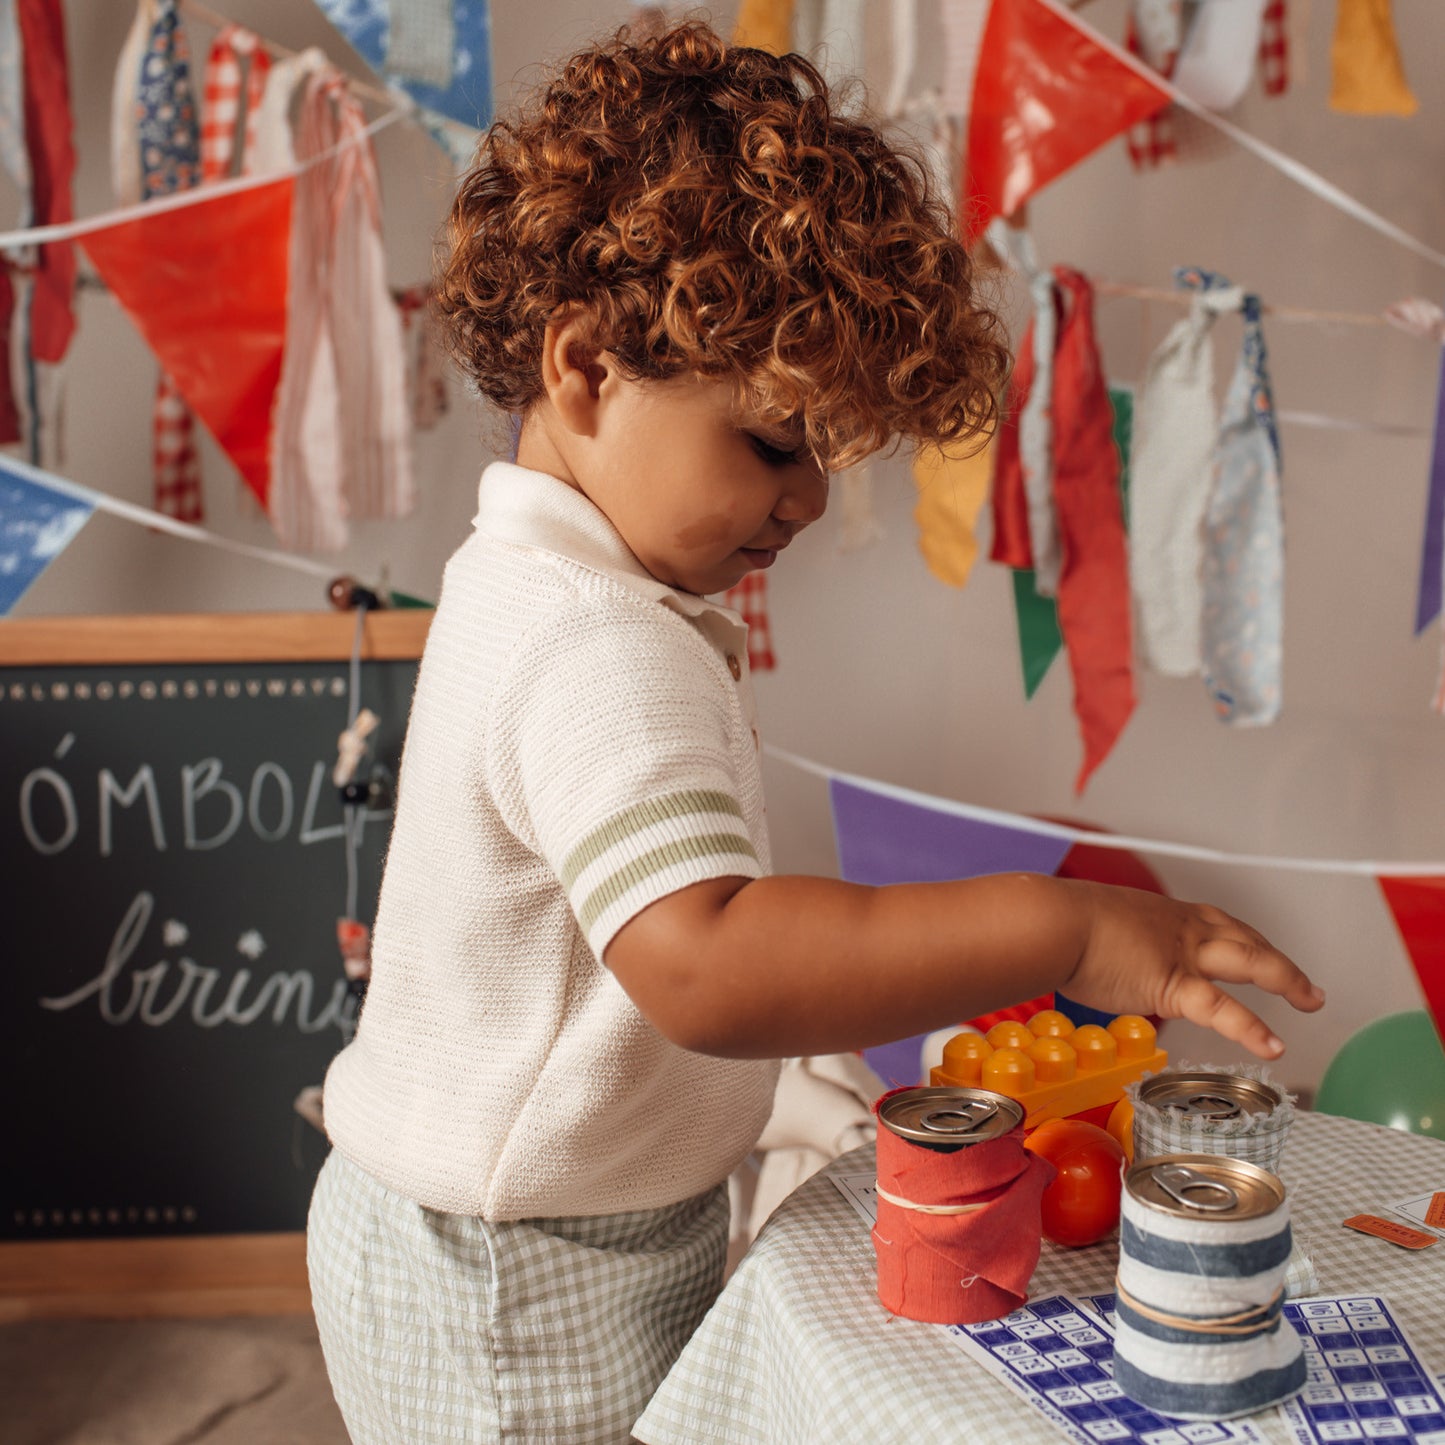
(1205,1003)
(1254,960)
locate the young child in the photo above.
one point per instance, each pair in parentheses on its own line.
(702,288)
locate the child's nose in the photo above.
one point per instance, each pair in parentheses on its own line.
(805,499)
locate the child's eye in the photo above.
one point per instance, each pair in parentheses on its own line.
(774,456)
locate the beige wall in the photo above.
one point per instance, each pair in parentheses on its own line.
(886,672)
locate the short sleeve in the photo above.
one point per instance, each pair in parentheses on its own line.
(616,749)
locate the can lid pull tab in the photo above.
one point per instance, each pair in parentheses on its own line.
(1208,1106)
(1195,1190)
(958,1118)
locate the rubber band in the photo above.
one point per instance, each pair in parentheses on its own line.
(903,1203)
(1223,1325)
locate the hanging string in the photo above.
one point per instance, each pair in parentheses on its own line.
(104,502)
(1361,867)
(354,818)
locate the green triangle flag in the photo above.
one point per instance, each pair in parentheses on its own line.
(1040,640)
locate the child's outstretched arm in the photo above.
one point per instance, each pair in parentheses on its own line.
(782,966)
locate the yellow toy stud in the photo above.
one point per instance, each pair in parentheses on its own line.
(1095,1047)
(1008,1071)
(1010,1034)
(1134,1035)
(963,1057)
(1049,1023)
(1055,1061)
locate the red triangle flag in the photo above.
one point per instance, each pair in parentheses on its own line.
(1045,95)
(1418,905)
(206,285)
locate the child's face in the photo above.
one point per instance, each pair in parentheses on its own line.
(700,494)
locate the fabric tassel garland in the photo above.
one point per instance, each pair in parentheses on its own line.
(951,494)
(1093,593)
(1176,430)
(16,163)
(1011,544)
(765,25)
(958,1234)
(156,110)
(1367,75)
(235,81)
(342,434)
(1218,55)
(749,599)
(1243,574)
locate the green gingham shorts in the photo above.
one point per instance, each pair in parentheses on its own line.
(445,1327)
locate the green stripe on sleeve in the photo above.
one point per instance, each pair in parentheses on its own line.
(640,869)
(639,817)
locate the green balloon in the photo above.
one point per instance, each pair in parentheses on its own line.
(1390,1072)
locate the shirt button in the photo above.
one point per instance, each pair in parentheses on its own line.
(734,666)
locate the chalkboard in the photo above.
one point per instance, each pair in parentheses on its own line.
(175,860)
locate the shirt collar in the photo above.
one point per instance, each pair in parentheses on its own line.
(535,509)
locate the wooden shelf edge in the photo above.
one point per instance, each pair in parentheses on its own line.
(245,1274)
(388,634)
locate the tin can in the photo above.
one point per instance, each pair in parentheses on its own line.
(946,1119)
(1210,1096)
(1204,1243)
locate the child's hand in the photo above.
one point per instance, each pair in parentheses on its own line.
(1146,953)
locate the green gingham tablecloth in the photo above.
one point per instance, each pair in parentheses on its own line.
(798,1351)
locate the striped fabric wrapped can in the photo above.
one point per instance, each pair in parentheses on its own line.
(1204,1243)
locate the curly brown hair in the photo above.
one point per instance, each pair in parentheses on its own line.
(706,209)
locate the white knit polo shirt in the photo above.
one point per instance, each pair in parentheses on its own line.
(581,744)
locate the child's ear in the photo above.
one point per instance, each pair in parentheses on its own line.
(574,373)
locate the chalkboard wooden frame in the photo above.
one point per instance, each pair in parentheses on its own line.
(199,1275)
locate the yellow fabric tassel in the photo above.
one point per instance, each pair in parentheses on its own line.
(951,493)
(1368,77)
(765,25)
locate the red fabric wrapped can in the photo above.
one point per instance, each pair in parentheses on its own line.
(958,1231)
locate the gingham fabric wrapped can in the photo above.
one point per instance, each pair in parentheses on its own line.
(1209,1110)
(1236,1111)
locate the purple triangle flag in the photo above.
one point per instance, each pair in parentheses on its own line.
(1432,548)
(887,836)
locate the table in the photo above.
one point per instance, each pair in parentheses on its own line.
(798,1351)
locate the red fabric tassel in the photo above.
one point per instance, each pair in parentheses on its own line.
(52,165)
(10,430)
(1011,544)
(1093,596)
(750,600)
(958,1269)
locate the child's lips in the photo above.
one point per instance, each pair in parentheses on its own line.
(762,556)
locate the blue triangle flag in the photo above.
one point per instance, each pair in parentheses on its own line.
(37,523)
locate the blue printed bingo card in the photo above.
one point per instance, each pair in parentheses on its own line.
(1060,1358)
(1365,1380)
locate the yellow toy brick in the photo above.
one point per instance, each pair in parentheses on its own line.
(1053,1068)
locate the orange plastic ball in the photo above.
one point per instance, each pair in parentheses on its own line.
(1120,1126)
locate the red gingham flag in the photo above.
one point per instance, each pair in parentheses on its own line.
(1151,142)
(1274,48)
(177,465)
(237,64)
(750,599)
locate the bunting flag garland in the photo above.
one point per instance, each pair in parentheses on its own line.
(48,140)
(1243,577)
(236,72)
(218,328)
(1367,76)
(1045,96)
(1037,617)
(1093,595)
(1418,908)
(1011,543)
(405,49)
(951,493)
(167,156)
(765,25)
(1217,57)
(1432,550)
(342,438)
(37,523)
(1274,48)
(749,599)
(16,162)
(1176,431)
